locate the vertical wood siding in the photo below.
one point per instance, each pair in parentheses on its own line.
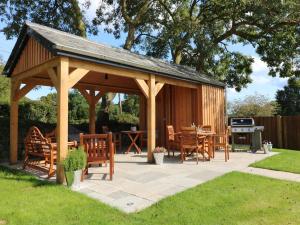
(33,54)
(181,106)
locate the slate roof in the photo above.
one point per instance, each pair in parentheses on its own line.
(62,43)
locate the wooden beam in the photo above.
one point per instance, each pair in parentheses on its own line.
(101,68)
(151,116)
(14,111)
(176,82)
(76,76)
(158,87)
(92,113)
(37,69)
(53,76)
(85,94)
(23,91)
(143,86)
(98,96)
(62,117)
(98,87)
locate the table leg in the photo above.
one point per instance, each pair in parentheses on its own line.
(133,143)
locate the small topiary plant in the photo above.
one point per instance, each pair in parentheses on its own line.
(76,160)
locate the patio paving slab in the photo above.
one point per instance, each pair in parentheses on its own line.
(137,184)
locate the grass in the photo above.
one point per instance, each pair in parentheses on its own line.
(287,160)
(235,198)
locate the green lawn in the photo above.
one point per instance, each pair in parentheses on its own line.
(235,198)
(287,160)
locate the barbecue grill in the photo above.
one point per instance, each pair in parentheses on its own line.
(247,126)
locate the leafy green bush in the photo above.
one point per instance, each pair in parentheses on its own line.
(76,160)
(125,118)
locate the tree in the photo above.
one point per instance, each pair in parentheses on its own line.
(131,104)
(78,107)
(133,17)
(200,33)
(4,84)
(253,105)
(64,15)
(288,99)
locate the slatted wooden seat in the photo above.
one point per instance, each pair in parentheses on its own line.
(191,142)
(37,149)
(173,142)
(116,136)
(99,149)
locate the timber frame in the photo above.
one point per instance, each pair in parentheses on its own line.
(181,102)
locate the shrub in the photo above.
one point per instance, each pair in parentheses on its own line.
(76,160)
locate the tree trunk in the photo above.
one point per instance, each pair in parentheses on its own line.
(130,38)
(177,57)
(120,104)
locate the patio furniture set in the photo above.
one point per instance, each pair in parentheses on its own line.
(41,151)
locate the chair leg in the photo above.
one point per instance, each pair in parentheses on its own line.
(181,155)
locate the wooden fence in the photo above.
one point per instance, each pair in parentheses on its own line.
(282,131)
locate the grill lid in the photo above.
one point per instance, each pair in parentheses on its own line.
(242,122)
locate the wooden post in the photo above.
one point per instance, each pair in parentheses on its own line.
(151,114)
(62,116)
(14,111)
(92,113)
(279,131)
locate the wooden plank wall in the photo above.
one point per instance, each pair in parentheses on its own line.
(213,107)
(33,54)
(291,132)
(181,106)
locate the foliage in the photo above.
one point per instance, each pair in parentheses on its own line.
(4,85)
(78,107)
(287,160)
(235,198)
(204,33)
(131,104)
(64,15)
(253,105)
(288,99)
(125,118)
(75,160)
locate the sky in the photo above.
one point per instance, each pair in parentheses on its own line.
(262,83)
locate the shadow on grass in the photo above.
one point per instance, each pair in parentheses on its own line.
(17,175)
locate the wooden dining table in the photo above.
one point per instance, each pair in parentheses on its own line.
(134,136)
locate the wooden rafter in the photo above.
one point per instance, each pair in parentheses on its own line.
(23,91)
(158,87)
(143,86)
(53,76)
(76,76)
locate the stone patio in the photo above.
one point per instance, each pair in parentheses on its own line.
(137,184)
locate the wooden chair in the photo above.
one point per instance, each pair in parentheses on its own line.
(206,128)
(117,138)
(190,142)
(52,137)
(37,149)
(99,149)
(222,141)
(173,141)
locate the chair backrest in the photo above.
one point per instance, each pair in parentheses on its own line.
(97,146)
(170,133)
(105,129)
(184,129)
(35,142)
(188,138)
(206,128)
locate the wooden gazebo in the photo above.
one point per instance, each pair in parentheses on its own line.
(169,94)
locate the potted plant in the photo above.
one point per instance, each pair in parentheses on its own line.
(159,153)
(73,164)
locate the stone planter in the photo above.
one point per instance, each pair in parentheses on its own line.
(265,148)
(159,158)
(77,180)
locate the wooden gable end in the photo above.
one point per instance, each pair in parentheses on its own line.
(32,55)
